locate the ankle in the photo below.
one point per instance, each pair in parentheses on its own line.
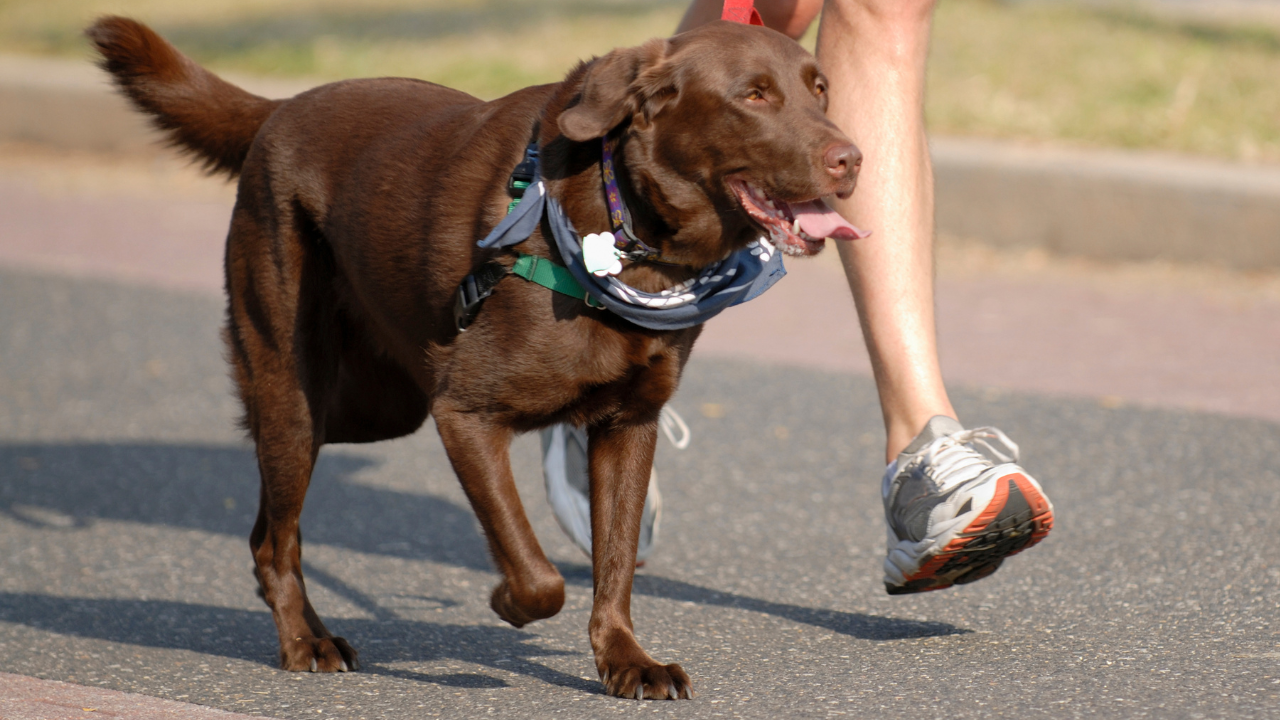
(901,430)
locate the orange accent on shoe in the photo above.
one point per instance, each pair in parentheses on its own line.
(997,503)
(1041,516)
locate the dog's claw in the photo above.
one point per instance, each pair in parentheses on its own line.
(656,682)
(319,655)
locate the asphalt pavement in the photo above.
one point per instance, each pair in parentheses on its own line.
(127,494)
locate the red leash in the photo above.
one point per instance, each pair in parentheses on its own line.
(741,11)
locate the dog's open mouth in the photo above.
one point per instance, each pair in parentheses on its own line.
(796,228)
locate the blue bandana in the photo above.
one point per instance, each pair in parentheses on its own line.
(742,276)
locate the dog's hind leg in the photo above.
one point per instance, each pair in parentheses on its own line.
(531,588)
(278,327)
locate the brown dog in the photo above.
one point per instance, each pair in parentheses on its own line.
(357,216)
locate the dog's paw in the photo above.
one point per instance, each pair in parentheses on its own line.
(650,682)
(312,654)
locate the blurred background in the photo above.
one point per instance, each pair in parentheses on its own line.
(1193,76)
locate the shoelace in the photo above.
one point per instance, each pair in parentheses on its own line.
(952,459)
(671,422)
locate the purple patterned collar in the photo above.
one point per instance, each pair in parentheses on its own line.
(625,240)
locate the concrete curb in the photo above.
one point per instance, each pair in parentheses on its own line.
(1107,205)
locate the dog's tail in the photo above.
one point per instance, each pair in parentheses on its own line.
(199,111)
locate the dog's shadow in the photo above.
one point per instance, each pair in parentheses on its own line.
(250,635)
(213,488)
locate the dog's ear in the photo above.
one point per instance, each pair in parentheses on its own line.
(621,84)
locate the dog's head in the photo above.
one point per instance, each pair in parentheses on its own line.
(725,137)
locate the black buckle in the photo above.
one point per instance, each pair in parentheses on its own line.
(632,247)
(472,291)
(522,176)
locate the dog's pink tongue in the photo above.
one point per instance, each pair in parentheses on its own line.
(818,220)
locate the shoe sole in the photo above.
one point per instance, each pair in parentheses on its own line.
(1018,516)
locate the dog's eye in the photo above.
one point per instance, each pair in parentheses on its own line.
(755,95)
(819,89)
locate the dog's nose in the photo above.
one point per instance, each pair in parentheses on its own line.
(843,161)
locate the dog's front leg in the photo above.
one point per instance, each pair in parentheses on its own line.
(621,457)
(531,588)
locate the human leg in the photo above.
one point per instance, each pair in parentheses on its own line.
(874,54)
(956,501)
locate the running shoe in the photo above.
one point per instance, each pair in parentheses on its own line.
(957,504)
(564,467)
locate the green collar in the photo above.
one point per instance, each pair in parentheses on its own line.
(552,276)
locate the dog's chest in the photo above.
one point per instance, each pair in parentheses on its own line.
(580,369)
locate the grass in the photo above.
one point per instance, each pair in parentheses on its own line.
(486,47)
(1099,76)
(1033,71)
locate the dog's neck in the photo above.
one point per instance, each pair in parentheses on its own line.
(572,173)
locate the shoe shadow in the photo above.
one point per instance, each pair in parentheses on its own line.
(857,625)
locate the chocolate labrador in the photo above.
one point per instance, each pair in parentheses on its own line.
(359,208)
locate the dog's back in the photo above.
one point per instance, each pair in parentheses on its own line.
(387,180)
